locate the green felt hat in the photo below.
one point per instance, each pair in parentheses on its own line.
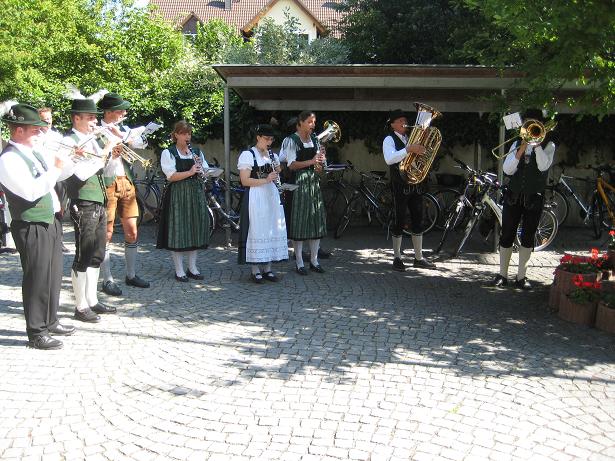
(84,106)
(23,114)
(113,101)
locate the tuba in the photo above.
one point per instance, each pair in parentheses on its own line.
(414,167)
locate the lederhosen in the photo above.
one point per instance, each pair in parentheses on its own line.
(523,200)
(406,197)
(184,222)
(307,216)
(88,200)
(38,238)
(257,172)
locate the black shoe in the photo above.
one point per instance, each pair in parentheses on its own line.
(271,277)
(423,264)
(317,268)
(64,249)
(398,265)
(181,278)
(194,276)
(61,330)
(87,315)
(101,308)
(111,288)
(257,278)
(523,284)
(301,271)
(323,254)
(45,342)
(500,281)
(136,281)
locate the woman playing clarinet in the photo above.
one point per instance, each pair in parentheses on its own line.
(184,225)
(262,235)
(307,218)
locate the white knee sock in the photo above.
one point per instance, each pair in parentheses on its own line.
(267,268)
(91,282)
(178,261)
(79,281)
(298,246)
(192,255)
(524,259)
(417,243)
(130,255)
(314,245)
(105,267)
(255,269)
(505,254)
(397,246)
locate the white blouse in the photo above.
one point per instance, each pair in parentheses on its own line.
(289,149)
(167,162)
(246,161)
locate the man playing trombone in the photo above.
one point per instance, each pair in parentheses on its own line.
(121,194)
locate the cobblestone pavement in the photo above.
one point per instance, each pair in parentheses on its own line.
(360,363)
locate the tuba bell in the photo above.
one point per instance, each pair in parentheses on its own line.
(414,167)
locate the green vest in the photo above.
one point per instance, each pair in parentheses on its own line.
(93,189)
(528,179)
(41,209)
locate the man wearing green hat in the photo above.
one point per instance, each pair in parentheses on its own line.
(28,178)
(86,190)
(121,196)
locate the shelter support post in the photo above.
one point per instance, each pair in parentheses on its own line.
(227,161)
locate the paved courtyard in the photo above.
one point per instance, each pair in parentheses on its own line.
(360,363)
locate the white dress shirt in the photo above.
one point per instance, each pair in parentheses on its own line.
(115,166)
(544,157)
(288,151)
(167,162)
(84,169)
(391,154)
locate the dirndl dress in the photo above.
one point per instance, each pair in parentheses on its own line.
(262,232)
(184,222)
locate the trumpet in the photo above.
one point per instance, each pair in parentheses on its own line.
(59,148)
(532,131)
(129,155)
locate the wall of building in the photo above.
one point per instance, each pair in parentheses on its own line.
(306,22)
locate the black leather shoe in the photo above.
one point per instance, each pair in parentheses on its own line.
(182,278)
(398,265)
(257,278)
(523,284)
(271,277)
(61,330)
(194,276)
(500,282)
(317,268)
(101,308)
(423,264)
(45,342)
(87,315)
(137,281)
(110,287)
(301,271)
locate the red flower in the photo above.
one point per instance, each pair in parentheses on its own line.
(612,233)
(597,284)
(578,280)
(595,252)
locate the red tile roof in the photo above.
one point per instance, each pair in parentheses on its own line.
(242,12)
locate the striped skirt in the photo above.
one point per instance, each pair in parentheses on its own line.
(184,223)
(308,217)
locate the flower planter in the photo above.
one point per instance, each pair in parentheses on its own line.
(583,314)
(605,318)
(611,257)
(563,284)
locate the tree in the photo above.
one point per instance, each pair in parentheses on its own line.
(555,42)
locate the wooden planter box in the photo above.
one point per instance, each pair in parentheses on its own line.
(563,284)
(583,314)
(605,318)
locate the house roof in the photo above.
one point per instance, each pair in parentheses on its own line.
(244,14)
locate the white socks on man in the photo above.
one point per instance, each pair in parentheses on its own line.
(505,254)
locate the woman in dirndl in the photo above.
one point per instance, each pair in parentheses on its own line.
(305,155)
(184,225)
(262,234)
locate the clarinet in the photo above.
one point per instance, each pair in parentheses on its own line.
(278,183)
(198,162)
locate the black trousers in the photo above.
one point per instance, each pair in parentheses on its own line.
(90,223)
(404,202)
(40,250)
(516,207)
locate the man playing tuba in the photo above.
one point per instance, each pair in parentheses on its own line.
(406,196)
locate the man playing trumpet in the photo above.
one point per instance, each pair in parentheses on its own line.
(121,195)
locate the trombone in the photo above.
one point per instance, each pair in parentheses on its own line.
(532,131)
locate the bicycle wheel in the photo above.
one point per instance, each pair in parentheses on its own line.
(212,222)
(447,199)
(431,212)
(335,201)
(559,202)
(345,219)
(597,214)
(545,232)
(470,226)
(384,199)
(453,218)
(150,197)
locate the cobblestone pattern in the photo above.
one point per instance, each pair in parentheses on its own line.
(360,363)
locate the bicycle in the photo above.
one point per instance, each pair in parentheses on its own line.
(484,206)
(595,211)
(378,202)
(215,189)
(149,196)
